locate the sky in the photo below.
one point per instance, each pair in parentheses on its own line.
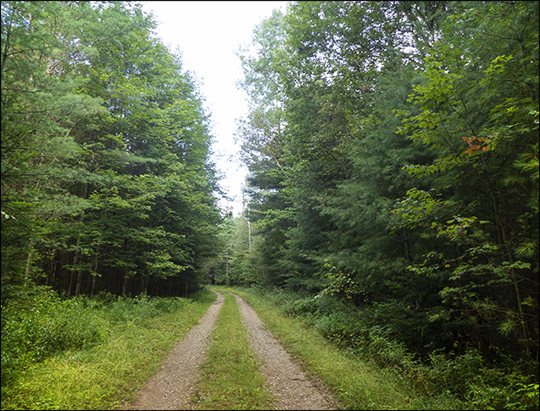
(208,33)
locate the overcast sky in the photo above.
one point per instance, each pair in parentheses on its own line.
(208,33)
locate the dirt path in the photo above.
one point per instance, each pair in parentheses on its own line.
(172,387)
(286,380)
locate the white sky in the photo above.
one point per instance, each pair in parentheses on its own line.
(208,33)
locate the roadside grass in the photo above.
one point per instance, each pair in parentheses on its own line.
(136,337)
(230,376)
(356,383)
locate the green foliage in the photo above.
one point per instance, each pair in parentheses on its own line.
(106,182)
(99,375)
(230,376)
(44,325)
(464,377)
(402,178)
(355,382)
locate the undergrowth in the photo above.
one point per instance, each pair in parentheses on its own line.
(83,353)
(365,334)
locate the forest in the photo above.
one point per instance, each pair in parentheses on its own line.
(107,184)
(392,150)
(392,196)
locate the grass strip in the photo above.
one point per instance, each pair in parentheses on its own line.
(356,383)
(230,377)
(108,375)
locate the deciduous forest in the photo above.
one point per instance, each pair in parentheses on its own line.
(392,197)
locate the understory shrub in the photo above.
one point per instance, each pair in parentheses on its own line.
(43,324)
(381,332)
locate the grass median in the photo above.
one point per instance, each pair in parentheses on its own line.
(230,376)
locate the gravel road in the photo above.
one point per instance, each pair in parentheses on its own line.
(285,379)
(171,388)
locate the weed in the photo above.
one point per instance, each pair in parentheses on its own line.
(86,353)
(357,384)
(370,336)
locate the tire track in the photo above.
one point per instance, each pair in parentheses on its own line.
(171,388)
(285,379)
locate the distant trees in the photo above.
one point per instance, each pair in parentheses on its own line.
(393,158)
(106,180)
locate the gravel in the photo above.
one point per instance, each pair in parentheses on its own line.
(172,387)
(286,381)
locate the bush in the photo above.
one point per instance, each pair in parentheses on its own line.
(42,325)
(468,377)
(384,332)
(171,304)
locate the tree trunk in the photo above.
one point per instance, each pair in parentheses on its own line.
(75,261)
(124,286)
(249,235)
(144,285)
(79,280)
(27,268)
(227,268)
(94,275)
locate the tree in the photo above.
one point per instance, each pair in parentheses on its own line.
(108,185)
(406,166)
(481,123)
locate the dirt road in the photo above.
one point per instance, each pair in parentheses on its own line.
(285,379)
(172,387)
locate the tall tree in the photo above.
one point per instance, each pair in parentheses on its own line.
(106,154)
(411,163)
